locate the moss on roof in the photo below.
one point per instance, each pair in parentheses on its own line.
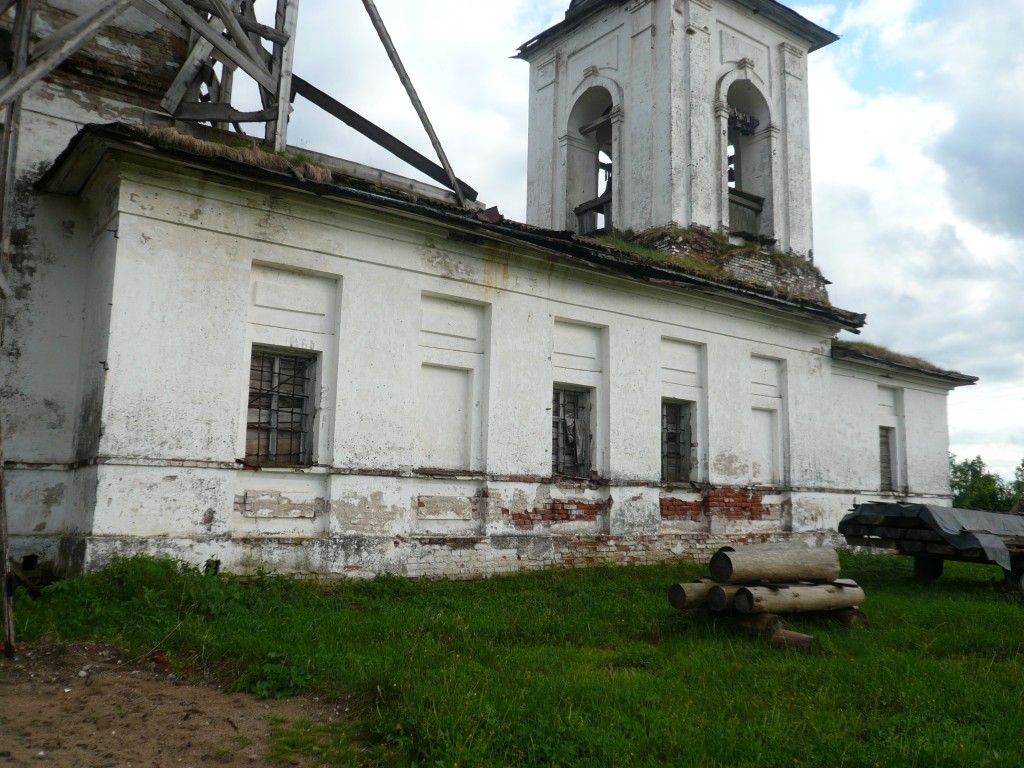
(707,254)
(245,150)
(864,349)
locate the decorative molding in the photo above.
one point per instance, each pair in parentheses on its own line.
(792,60)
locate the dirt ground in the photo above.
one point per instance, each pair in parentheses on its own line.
(90,705)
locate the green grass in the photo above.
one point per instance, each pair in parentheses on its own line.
(592,667)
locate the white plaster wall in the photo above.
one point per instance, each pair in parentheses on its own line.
(179,353)
(927,436)
(55,334)
(855,419)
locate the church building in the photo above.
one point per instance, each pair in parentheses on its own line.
(214,352)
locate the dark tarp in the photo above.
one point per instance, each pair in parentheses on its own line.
(960,528)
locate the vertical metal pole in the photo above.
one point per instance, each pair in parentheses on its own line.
(8,155)
(389,46)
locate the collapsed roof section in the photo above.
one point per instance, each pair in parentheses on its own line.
(76,163)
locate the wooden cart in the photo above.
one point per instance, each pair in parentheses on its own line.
(932,534)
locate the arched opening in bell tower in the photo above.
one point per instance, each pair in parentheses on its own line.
(748,160)
(589,162)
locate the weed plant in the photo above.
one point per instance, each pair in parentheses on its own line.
(582,668)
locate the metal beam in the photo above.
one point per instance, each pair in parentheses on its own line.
(378,135)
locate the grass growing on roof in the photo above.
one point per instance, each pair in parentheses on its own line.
(585,667)
(883,353)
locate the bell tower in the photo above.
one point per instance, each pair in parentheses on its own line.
(649,113)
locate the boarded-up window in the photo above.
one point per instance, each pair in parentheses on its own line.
(764,447)
(452,387)
(885,439)
(445,417)
(676,441)
(280,415)
(570,432)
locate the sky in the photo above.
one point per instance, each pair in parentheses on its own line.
(917,159)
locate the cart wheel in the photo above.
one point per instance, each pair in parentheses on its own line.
(927,568)
(1015,580)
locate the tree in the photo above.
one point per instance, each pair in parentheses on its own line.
(974,487)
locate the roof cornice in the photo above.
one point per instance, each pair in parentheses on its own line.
(783,16)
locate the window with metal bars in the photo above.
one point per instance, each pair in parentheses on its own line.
(676,441)
(570,432)
(280,421)
(885,440)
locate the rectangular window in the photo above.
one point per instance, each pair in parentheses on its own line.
(570,432)
(885,435)
(676,441)
(280,421)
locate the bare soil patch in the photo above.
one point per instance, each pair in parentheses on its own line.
(92,705)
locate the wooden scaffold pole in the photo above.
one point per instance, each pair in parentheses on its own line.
(23,12)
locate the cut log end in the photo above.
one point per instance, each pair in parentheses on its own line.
(721,597)
(691,595)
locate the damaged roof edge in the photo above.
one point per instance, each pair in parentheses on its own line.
(782,15)
(898,363)
(85,151)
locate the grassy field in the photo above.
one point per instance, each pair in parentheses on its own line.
(590,667)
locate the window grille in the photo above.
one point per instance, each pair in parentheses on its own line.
(279,424)
(570,432)
(676,441)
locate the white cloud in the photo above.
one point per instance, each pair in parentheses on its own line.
(916,200)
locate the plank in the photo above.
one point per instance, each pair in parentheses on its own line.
(249,24)
(214,112)
(257,70)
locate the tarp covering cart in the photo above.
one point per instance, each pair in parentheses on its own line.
(932,534)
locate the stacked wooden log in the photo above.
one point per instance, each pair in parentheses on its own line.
(751,586)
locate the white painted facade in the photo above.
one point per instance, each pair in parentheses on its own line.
(146,277)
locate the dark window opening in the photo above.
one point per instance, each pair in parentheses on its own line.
(280,421)
(570,432)
(676,441)
(886,483)
(590,161)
